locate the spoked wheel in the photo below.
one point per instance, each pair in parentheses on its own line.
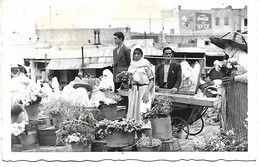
(179,124)
(196,127)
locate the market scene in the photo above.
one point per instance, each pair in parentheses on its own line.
(175,81)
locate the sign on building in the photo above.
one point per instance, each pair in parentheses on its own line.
(203,21)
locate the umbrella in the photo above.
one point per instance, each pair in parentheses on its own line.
(235,39)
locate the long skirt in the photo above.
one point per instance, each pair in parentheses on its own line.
(136,106)
(234,109)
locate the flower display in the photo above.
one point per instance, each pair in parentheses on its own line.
(146,141)
(19,128)
(106,98)
(76,131)
(31,95)
(161,107)
(105,127)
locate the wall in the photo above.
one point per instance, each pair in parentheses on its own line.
(188,20)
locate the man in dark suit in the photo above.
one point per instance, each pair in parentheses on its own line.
(168,74)
(121,56)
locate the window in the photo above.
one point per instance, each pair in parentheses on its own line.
(226,21)
(207,42)
(217,21)
(245,22)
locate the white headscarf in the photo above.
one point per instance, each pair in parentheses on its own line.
(134,65)
(107,80)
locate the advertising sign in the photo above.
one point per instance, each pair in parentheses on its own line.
(203,21)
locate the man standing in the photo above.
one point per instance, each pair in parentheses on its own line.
(168,74)
(121,57)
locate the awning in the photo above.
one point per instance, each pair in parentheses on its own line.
(76,63)
(64,64)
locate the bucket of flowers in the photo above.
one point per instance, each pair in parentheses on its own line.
(107,103)
(124,77)
(79,133)
(30,99)
(28,140)
(118,133)
(146,144)
(160,118)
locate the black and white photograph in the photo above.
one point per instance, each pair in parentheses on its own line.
(104,81)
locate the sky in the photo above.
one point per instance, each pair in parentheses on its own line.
(25,15)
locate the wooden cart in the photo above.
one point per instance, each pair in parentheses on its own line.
(189,110)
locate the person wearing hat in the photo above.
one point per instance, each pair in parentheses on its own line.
(234,93)
(168,74)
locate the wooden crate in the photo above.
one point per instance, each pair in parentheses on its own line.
(170,145)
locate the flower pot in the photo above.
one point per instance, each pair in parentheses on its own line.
(80,147)
(109,111)
(148,149)
(98,146)
(47,137)
(28,141)
(32,111)
(120,139)
(161,128)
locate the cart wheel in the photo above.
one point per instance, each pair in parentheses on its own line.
(196,127)
(179,124)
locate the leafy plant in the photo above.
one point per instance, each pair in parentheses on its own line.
(161,107)
(81,125)
(124,77)
(225,141)
(83,131)
(146,141)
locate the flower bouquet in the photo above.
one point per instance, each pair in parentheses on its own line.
(19,128)
(31,95)
(118,132)
(229,67)
(124,77)
(146,143)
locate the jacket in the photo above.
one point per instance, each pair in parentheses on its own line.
(121,60)
(174,75)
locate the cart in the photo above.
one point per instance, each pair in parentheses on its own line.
(189,110)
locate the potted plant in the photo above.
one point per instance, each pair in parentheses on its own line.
(160,118)
(117,133)
(56,109)
(28,140)
(107,103)
(30,99)
(146,143)
(79,133)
